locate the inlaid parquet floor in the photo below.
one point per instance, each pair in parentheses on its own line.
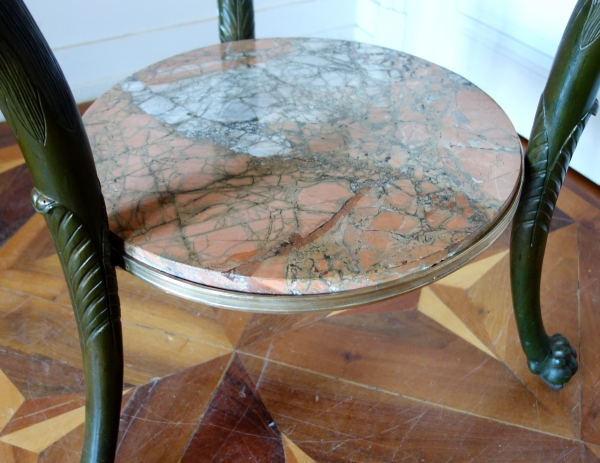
(436,375)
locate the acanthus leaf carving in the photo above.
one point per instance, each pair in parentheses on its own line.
(92,283)
(545,176)
(236,20)
(29,73)
(591,28)
(21,97)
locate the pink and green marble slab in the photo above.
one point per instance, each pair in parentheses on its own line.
(300,166)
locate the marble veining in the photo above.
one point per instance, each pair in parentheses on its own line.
(294,166)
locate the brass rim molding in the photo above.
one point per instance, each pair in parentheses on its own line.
(273,303)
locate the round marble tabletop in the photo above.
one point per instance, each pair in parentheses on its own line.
(300,166)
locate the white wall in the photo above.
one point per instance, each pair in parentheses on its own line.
(99,42)
(505,47)
(382,22)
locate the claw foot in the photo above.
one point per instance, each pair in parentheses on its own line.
(560,364)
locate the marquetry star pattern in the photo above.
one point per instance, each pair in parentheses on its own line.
(433,375)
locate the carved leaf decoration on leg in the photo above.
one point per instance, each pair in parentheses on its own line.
(20,97)
(544,176)
(536,166)
(236,20)
(92,284)
(25,64)
(591,28)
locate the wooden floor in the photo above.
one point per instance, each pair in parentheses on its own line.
(436,375)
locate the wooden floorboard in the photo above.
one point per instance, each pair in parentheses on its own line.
(436,375)
(583,187)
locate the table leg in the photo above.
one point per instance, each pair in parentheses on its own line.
(92,284)
(551,357)
(566,104)
(236,20)
(41,111)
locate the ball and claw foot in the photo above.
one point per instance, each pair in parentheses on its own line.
(560,364)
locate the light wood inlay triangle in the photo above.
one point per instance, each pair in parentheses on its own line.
(469,274)
(10,400)
(459,301)
(39,436)
(293,453)
(432,306)
(492,301)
